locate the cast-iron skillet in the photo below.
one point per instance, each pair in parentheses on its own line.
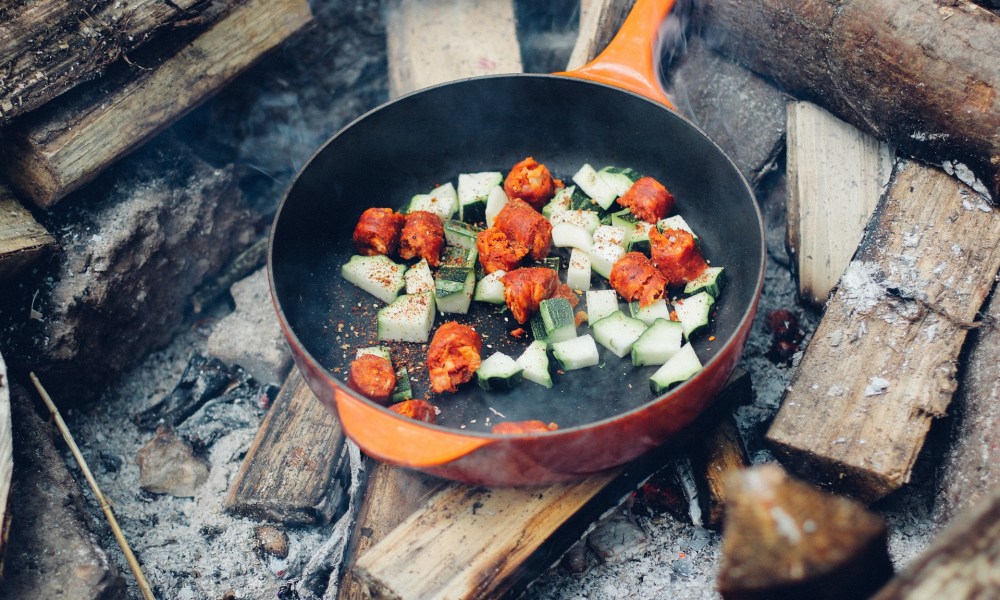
(607,414)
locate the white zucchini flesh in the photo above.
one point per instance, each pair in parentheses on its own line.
(682,366)
(694,312)
(565,235)
(408,319)
(611,235)
(586,219)
(578,271)
(442,201)
(490,288)
(675,222)
(561,202)
(603,257)
(378,275)
(418,278)
(577,353)
(498,372)
(494,204)
(659,309)
(595,186)
(601,303)
(535,364)
(658,343)
(617,333)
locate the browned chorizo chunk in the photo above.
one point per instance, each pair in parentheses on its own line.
(518,427)
(564,291)
(423,236)
(453,356)
(531,182)
(373,377)
(497,252)
(421,410)
(377,231)
(676,255)
(636,278)
(525,288)
(522,223)
(648,200)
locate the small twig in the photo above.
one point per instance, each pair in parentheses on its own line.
(147,593)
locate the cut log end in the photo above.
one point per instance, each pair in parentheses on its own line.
(786,539)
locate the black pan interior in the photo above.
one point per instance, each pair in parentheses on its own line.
(488,124)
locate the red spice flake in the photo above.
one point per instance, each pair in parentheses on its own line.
(579,317)
(711,338)
(518,333)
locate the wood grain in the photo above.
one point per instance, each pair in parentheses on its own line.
(289,472)
(49,46)
(960,564)
(713,458)
(6,460)
(881,365)
(67,143)
(434,41)
(22,239)
(835,177)
(920,75)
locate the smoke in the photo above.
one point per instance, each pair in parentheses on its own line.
(671,39)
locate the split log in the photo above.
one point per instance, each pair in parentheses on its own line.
(289,473)
(786,539)
(881,365)
(713,458)
(424,49)
(65,144)
(6,461)
(835,177)
(22,239)
(49,46)
(961,564)
(921,75)
(971,466)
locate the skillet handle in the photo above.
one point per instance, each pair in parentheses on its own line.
(628,61)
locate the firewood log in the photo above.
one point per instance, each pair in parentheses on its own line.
(921,75)
(49,46)
(22,238)
(881,365)
(60,147)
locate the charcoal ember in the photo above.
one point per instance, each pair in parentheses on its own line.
(203,379)
(168,464)
(241,406)
(617,540)
(271,540)
(786,335)
(575,560)
(662,494)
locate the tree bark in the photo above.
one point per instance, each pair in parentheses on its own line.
(921,75)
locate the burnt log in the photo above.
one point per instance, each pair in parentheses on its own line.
(920,75)
(713,458)
(786,539)
(48,47)
(65,144)
(881,365)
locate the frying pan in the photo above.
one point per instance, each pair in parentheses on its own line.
(611,112)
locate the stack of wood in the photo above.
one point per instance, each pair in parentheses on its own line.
(85,85)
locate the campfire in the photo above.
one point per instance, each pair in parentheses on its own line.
(850,454)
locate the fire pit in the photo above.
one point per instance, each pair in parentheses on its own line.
(138,296)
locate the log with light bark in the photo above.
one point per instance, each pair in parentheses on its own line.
(66,143)
(22,239)
(786,539)
(289,474)
(881,365)
(962,563)
(971,465)
(920,75)
(49,46)
(835,177)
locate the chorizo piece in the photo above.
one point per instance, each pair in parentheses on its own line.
(377,231)
(676,255)
(531,182)
(421,410)
(636,278)
(453,356)
(564,291)
(423,236)
(373,377)
(522,223)
(497,252)
(648,200)
(518,427)
(525,288)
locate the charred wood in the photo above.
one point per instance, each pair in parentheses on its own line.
(920,75)
(786,539)
(881,365)
(713,458)
(203,379)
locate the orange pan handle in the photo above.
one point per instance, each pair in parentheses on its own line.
(400,440)
(628,61)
